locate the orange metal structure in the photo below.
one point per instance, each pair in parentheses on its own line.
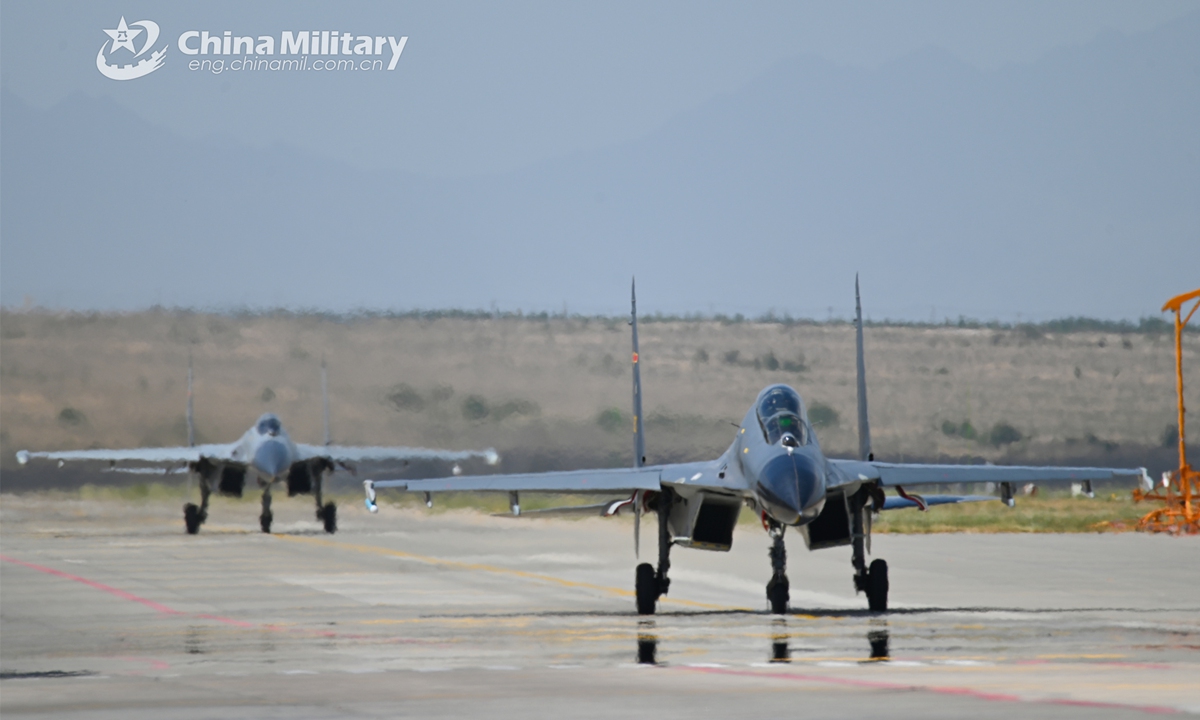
(1180,490)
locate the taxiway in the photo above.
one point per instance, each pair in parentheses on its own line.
(108,610)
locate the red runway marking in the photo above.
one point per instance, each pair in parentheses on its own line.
(122,594)
(92,583)
(172,611)
(940,690)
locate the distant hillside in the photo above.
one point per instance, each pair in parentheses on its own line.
(554,392)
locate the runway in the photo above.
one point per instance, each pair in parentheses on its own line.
(108,610)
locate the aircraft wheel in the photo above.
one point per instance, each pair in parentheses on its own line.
(329,515)
(265,520)
(778,595)
(191,518)
(877,586)
(647,589)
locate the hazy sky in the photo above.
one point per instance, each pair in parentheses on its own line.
(548,151)
(488,87)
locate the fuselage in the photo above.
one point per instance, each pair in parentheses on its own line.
(778,454)
(267,449)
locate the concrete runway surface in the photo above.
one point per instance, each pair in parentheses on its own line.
(108,610)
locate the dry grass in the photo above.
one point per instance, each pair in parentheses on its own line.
(70,381)
(1044,513)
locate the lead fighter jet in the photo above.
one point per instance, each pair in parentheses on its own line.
(775,466)
(264,453)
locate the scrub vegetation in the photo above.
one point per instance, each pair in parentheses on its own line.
(553,392)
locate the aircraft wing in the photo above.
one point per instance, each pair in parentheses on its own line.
(352,454)
(924,501)
(158,456)
(893,474)
(604,509)
(612,480)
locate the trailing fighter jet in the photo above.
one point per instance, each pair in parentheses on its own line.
(266,454)
(774,466)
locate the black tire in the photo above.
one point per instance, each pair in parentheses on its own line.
(329,515)
(191,518)
(778,594)
(265,521)
(647,589)
(877,586)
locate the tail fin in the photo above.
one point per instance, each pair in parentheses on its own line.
(325,402)
(191,424)
(864,425)
(639,436)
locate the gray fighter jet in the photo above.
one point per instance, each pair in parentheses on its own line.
(266,454)
(775,467)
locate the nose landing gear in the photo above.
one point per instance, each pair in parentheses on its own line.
(778,588)
(265,519)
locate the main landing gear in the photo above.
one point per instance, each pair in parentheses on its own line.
(211,477)
(871,580)
(652,584)
(193,516)
(326,513)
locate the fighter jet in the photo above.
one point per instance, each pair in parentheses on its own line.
(265,454)
(775,466)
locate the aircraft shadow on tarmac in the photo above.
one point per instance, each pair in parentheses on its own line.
(878,639)
(810,612)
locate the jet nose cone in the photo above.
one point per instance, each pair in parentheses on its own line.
(271,458)
(788,485)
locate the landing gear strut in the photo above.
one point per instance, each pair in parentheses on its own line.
(873,580)
(193,516)
(265,519)
(652,584)
(777,589)
(326,513)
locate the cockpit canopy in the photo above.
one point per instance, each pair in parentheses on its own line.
(779,413)
(269,425)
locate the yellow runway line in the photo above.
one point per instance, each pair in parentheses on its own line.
(374,550)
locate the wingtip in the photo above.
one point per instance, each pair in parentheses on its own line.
(22,456)
(369,488)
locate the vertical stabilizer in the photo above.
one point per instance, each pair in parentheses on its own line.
(325,402)
(191,425)
(864,425)
(639,437)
